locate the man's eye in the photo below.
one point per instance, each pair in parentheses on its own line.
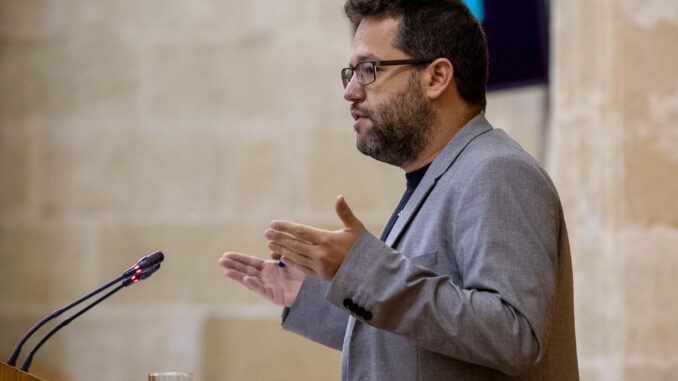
(367,69)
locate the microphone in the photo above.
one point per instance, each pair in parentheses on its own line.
(140,275)
(141,265)
(145,262)
(134,278)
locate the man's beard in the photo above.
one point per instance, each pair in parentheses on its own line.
(401,127)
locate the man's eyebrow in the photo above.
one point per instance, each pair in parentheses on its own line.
(366,57)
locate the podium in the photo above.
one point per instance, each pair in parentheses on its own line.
(10,373)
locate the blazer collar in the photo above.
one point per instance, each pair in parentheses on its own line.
(475,127)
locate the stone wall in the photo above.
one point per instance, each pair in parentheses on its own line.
(613,155)
(186,126)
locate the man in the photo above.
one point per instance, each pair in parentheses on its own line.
(471,279)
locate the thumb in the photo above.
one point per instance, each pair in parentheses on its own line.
(345,213)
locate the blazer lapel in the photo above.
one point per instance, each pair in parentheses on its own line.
(440,165)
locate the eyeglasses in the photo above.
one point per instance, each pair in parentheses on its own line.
(367,71)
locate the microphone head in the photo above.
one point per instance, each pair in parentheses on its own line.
(144,263)
(151,259)
(149,271)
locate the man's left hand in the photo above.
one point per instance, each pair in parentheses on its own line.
(315,251)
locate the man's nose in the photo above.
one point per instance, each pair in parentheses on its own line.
(354,91)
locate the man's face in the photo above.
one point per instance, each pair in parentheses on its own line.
(393,118)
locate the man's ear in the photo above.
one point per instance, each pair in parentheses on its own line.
(439,76)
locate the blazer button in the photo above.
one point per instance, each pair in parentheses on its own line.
(360,312)
(348,303)
(367,315)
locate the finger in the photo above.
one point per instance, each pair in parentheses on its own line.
(237,265)
(289,235)
(298,231)
(299,267)
(241,278)
(251,282)
(291,243)
(282,251)
(236,276)
(345,213)
(246,260)
(240,267)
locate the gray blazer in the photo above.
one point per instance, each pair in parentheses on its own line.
(473,283)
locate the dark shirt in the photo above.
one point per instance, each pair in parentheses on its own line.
(413,179)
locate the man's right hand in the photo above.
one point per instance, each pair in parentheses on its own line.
(277,284)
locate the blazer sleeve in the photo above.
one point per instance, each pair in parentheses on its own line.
(504,234)
(314,317)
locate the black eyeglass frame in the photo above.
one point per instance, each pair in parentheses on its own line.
(346,79)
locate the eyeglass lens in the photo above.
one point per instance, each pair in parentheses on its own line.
(365,71)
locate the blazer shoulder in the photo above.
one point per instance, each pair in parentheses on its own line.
(495,156)
(496,144)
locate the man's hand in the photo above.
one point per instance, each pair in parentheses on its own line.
(279,285)
(314,251)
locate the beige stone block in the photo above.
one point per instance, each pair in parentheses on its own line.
(650,182)
(159,19)
(185,19)
(650,157)
(647,56)
(214,78)
(522,114)
(654,370)
(254,70)
(264,172)
(585,60)
(37,80)
(598,304)
(651,306)
(46,264)
(336,167)
(602,367)
(31,19)
(81,76)
(15,148)
(249,349)
(587,372)
(106,73)
(111,171)
(190,273)
(91,170)
(313,77)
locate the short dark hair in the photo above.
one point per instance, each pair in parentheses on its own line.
(434,29)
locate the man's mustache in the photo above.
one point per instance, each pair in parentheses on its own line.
(359,110)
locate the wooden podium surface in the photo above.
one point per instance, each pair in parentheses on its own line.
(10,373)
